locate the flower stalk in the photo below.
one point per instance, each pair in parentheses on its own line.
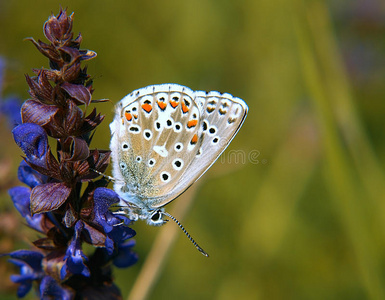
(63,200)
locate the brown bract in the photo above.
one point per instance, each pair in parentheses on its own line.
(59,100)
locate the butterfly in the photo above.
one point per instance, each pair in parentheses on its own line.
(163,138)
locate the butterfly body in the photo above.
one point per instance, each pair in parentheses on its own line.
(164,137)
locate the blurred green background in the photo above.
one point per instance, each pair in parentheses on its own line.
(300,214)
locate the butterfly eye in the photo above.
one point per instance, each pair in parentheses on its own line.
(156,216)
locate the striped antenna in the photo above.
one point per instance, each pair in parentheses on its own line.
(106,176)
(186,233)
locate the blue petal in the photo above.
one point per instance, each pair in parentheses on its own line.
(74,256)
(35,222)
(29,263)
(20,196)
(63,272)
(21,278)
(26,272)
(29,176)
(21,199)
(103,199)
(50,289)
(10,108)
(33,140)
(116,234)
(75,265)
(24,288)
(32,258)
(116,237)
(110,245)
(125,256)
(121,233)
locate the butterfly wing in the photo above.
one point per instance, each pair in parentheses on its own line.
(155,136)
(221,116)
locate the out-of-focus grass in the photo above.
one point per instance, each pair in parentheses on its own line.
(302,220)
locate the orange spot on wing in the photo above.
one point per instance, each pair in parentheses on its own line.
(194,139)
(184,108)
(128,116)
(162,105)
(192,123)
(147,107)
(174,103)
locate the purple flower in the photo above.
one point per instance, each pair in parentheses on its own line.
(63,200)
(74,255)
(30,263)
(21,199)
(104,198)
(118,246)
(29,176)
(33,141)
(51,289)
(21,195)
(10,108)
(125,257)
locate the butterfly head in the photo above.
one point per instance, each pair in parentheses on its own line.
(135,209)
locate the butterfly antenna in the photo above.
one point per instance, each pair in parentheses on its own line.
(186,233)
(105,176)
